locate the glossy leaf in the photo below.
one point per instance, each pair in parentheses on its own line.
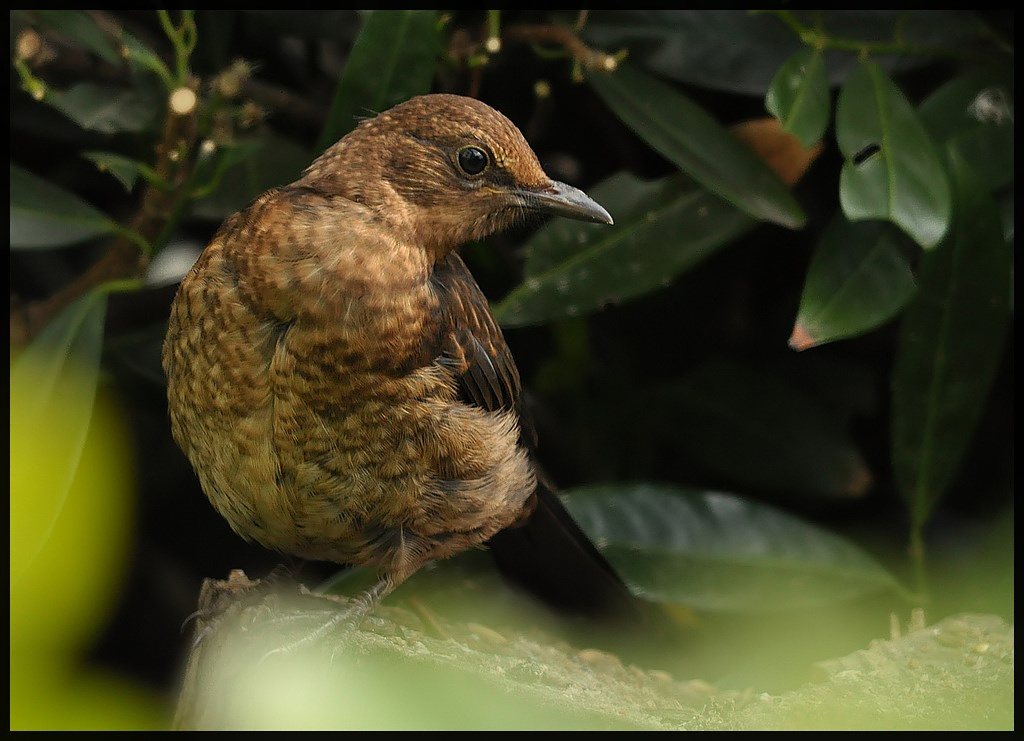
(757,430)
(685,134)
(393,59)
(106,109)
(43,215)
(859,278)
(974,113)
(661,229)
(53,387)
(799,96)
(715,551)
(951,342)
(892,170)
(738,51)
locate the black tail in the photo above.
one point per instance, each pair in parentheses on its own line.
(551,557)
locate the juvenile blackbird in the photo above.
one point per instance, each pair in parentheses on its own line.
(335,375)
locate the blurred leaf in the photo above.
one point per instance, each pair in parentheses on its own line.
(974,113)
(715,551)
(43,215)
(951,342)
(393,59)
(53,389)
(1006,204)
(858,279)
(781,151)
(739,50)
(59,698)
(79,27)
(144,59)
(662,228)
(106,109)
(892,170)
(799,96)
(253,166)
(760,431)
(72,529)
(124,169)
(691,139)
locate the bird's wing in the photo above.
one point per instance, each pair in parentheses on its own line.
(546,551)
(475,345)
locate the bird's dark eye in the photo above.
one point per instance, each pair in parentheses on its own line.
(472,160)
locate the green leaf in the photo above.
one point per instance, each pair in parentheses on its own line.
(951,342)
(124,169)
(53,388)
(715,551)
(859,278)
(731,50)
(143,59)
(799,96)
(80,28)
(393,59)
(974,113)
(892,170)
(759,431)
(698,145)
(253,166)
(738,50)
(661,229)
(104,108)
(43,215)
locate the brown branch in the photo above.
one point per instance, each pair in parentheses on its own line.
(473,54)
(550,34)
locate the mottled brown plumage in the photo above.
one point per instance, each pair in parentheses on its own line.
(335,375)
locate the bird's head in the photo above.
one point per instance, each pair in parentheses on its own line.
(447,169)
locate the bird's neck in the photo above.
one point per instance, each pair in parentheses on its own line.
(344,170)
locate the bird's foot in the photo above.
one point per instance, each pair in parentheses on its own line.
(351,616)
(217,595)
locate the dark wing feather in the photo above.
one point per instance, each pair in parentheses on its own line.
(490,379)
(548,553)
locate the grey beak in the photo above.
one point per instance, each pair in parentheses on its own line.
(560,199)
